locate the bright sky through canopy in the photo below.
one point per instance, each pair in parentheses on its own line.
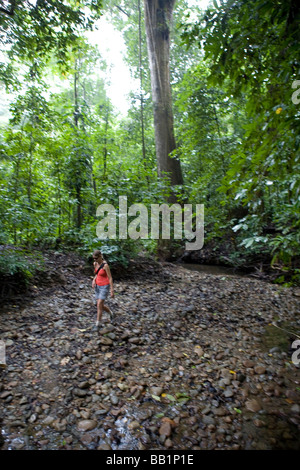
(112,48)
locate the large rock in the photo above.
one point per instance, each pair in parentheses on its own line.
(86,425)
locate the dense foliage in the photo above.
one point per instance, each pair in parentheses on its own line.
(251,51)
(65,150)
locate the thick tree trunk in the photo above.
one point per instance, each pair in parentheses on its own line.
(141,87)
(158,16)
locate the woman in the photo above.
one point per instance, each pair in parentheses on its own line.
(102,283)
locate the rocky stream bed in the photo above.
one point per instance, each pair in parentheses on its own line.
(190,361)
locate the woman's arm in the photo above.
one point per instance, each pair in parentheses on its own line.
(106,267)
(94,278)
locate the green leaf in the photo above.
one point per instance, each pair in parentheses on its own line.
(170,397)
(155,397)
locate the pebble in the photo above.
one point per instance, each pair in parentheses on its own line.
(260,369)
(114,399)
(157,391)
(253,405)
(228,393)
(79,354)
(295,409)
(18,443)
(134,425)
(165,429)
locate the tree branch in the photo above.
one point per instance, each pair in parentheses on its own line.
(12,9)
(121,9)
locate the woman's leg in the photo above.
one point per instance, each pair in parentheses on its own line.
(107,309)
(100,304)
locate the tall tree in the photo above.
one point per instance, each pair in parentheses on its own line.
(158,17)
(141,85)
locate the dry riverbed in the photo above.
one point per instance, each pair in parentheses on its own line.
(190,361)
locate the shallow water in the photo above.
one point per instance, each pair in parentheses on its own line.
(212,269)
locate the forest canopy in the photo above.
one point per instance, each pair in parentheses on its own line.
(234,108)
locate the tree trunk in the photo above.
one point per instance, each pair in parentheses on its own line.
(158,16)
(76,122)
(141,87)
(105,140)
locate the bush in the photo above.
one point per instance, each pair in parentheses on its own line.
(17,268)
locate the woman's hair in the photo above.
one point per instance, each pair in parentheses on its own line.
(97,253)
